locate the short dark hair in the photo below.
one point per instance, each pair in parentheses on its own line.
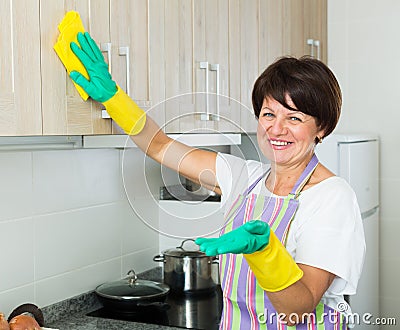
(309,83)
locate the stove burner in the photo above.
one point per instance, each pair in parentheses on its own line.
(189,311)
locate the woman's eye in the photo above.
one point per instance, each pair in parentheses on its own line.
(293,118)
(267,114)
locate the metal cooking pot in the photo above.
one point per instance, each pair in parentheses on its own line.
(131,295)
(188,271)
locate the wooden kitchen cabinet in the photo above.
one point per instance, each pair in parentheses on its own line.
(63,110)
(214,51)
(20,82)
(136,31)
(120,28)
(37,97)
(199,71)
(272,29)
(261,34)
(306,28)
(173,58)
(241,37)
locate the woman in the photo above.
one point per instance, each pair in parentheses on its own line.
(293,244)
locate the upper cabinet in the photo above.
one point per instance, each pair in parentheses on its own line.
(121,29)
(200,69)
(261,40)
(20,81)
(214,51)
(190,63)
(63,110)
(137,56)
(306,28)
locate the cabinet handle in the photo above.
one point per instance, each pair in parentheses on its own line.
(106,47)
(205,116)
(310,42)
(317,45)
(215,67)
(124,51)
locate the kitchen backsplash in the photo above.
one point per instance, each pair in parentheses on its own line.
(66,223)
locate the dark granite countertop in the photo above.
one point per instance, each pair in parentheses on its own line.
(71,314)
(80,321)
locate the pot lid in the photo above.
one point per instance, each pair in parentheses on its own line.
(131,288)
(188,251)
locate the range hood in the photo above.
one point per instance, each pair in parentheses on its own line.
(31,143)
(195,140)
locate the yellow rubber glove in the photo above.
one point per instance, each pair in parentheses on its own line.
(69,28)
(125,112)
(273,266)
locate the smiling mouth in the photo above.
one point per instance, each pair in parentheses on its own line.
(279,143)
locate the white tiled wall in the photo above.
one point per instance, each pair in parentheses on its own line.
(66,224)
(364,47)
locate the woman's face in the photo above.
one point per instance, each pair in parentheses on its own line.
(286,137)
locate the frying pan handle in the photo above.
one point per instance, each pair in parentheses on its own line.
(32,309)
(157,304)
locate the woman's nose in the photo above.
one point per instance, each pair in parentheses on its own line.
(277,126)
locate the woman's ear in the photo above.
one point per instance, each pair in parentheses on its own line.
(320,135)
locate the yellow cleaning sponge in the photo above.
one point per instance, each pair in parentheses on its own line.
(69,28)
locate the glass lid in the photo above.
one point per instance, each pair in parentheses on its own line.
(132,288)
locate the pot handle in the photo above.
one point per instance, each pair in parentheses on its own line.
(131,277)
(159,258)
(183,242)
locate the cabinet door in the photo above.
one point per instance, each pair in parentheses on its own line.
(156,75)
(20,95)
(249,18)
(64,112)
(200,70)
(179,66)
(315,14)
(135,27)
(215,68)
(306,32)
(262,41)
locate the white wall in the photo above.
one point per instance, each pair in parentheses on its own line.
(364,53)
(66,224)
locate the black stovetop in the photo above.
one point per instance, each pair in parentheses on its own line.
(188,311)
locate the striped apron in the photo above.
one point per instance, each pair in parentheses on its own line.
(246,305)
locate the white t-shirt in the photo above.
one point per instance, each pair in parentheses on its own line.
(326,232)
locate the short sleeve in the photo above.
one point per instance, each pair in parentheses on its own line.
(235,175)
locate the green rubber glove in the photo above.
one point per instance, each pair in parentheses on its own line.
(100,85)
(248,238)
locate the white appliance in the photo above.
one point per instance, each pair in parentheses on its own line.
(356,159)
